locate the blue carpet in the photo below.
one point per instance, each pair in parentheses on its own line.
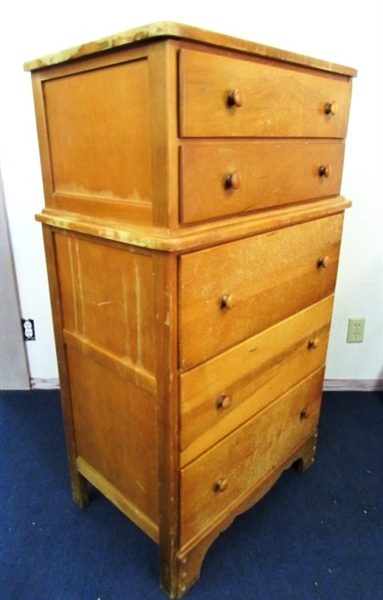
(315,536)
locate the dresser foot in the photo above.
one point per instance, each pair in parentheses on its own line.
(80,491)
(307,457)
(187,568)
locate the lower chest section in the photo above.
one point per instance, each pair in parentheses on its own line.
(214,360)
(254,325)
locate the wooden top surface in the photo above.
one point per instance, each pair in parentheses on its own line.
(160,30)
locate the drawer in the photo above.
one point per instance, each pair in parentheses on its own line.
(233,291)
(222,96)
(224,179)
(215,481)
(221,394)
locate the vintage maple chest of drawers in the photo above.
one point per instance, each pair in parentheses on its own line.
(192,225)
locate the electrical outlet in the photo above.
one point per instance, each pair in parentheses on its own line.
(28,330)
(355,330)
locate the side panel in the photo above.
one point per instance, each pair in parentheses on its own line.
(107,307)
(95,137)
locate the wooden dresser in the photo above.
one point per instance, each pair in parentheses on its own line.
(192,226)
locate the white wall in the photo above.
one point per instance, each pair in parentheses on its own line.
(347,32)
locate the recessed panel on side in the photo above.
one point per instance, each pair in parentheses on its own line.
(107,300)
(115,429)
(99,140)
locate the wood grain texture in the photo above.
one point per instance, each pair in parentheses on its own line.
(94,120)
(270,277)
(191,556)
(78,482)
(107,289)
(119,499)
(110,416)
(192,224)
(195,236)
(247,455)
(279,101)
(252,374)
(271,174)
(168,29)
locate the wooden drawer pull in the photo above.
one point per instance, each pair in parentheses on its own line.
(221,485)
(233,181)
(235,98)
(323,263)
(312,344)
(304,414)
(224,402)
(331,108)
(227,301)
(325,171)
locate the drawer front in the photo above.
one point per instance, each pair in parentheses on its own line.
(224,96)
(215,481)
(221,394)
(219,180)
(231,292)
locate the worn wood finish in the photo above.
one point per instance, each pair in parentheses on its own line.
(249,376)
(192,227)
(78,482)
(90,156)
(196,236)
(206,168)
(256,273)
(278,101)
(230,468)
(109,416)
(169,30)
(192,554)
(104,287)
(166,336)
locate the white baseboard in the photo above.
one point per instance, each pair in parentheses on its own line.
(353,385)
(330,385)
(44,384)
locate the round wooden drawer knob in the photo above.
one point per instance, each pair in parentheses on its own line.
(224,402)
(325,171)
(221,485)
(236,98)
(312,344)
(331,108)
(227,301)
(324,262)
(233,181)
(304,414)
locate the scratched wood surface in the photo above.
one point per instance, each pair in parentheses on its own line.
(296,176)
(227,470)
(266,279)
(277,101)
(106,289)
(108,325)
(171,30)
(221,394)
(191,311)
